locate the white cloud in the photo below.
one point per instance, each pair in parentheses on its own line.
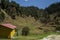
(26,0)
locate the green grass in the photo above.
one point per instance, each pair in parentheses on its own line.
(35,37)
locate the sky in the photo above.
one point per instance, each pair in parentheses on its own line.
(37,3)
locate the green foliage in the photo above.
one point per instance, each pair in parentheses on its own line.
(53,8)
(13,8)
(53,12)
(2,17)
(25,31)
(58,28)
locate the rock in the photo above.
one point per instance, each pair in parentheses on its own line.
(52,37)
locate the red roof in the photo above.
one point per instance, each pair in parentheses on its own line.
(8,26)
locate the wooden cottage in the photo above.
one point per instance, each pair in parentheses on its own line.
(7,30)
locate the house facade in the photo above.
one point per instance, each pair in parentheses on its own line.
(7,30)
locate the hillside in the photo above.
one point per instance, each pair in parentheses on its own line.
(38,20)
(30,22)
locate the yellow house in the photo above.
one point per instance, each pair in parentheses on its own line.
(7,30)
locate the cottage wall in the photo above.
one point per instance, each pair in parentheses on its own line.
(4,32)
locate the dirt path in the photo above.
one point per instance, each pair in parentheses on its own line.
(57,37)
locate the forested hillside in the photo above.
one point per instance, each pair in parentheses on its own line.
(49,16)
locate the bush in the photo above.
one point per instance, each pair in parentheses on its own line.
(2,17)
(58,28)
(25,31)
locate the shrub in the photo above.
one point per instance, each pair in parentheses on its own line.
(25,31)
(58,28)
(2,17)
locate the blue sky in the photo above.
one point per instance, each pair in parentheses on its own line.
(38,3)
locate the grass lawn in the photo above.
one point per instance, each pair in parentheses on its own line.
(35,37)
